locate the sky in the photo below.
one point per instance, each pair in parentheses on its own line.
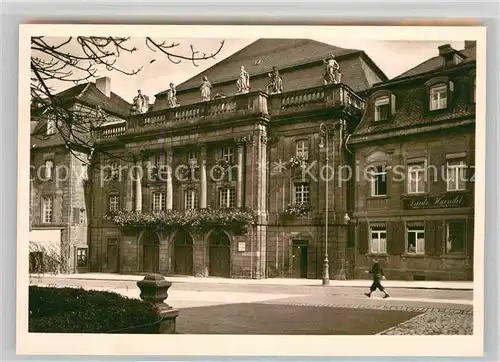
(393,57)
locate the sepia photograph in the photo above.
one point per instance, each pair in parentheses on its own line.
(250,183)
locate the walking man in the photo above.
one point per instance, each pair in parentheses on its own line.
(377,274)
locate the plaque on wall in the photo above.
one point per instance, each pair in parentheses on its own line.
(446,201)
(242,246)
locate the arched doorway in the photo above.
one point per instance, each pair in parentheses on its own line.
(183,253)
(220,254)
(150,252)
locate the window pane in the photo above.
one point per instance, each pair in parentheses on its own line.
(383,245)
(456,236)
(412,247)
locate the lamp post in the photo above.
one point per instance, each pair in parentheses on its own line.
(324,144)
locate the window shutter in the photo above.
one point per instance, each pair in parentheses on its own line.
(393,104)
(430,237)
(76,215)
(363,237)
(396,237)
(470,237)
(451,89)
(438,237)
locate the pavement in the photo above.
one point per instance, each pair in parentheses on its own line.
(298,306)
(406,284)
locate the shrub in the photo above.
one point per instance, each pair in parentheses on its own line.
(44,259)
(75,310)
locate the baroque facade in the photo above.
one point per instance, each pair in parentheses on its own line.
(259,133)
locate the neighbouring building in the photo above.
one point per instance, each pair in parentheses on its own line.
(59,187)
(416,142)
(225,174)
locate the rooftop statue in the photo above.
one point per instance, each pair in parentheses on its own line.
(140,103)
(172,96)
(243,82)
(332,73)
(205,89)
(276,84)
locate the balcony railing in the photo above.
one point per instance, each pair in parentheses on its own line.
(238,106)
(335,95)
(110,131)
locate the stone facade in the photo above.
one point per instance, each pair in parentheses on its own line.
(278,143)
(67,191)
(424,222)
(263,135)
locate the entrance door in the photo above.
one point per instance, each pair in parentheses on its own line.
(220,254)
(183,253)
(150,252)
(299,255)
(112,255)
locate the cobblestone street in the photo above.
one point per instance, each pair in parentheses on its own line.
(434,322)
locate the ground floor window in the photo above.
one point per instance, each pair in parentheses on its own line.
(455,236)
(415,236)
(81,257)
(378,240)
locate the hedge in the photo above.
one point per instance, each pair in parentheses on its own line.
(75,310)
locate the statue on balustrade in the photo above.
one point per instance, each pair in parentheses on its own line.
(243,82)
(205,89)
(332,73)
(172,96)
(276,84)
(140,103)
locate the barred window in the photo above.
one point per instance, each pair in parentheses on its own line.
(227,197)
(301,195)
(190,199)
(47,209)
(159,201)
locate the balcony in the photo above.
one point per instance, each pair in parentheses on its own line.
(203,113)
(237,108)
(311,99)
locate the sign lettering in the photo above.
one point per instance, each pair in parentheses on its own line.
(436,202)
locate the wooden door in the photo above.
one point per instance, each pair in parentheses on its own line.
(112,261)
(220,255)
(151,253)
(183,253)
(113,255)
(299,262)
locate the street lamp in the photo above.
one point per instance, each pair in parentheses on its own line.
(324,144)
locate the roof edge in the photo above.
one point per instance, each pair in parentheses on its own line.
(410,78)
(303,64)
(374,65)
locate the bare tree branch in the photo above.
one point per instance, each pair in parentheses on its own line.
(52,62)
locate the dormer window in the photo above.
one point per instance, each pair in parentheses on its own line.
(438,97)
(382,108)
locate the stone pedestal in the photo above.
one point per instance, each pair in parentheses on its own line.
(154,289)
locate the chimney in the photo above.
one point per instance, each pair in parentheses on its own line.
(470,44)
(104,85)
(445,49)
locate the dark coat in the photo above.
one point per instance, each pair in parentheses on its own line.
(377,271)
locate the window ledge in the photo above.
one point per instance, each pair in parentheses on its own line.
(455,256)
(413,255)
(456,192)
(420,194)
(436,111)
(381,197)
(374,255)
